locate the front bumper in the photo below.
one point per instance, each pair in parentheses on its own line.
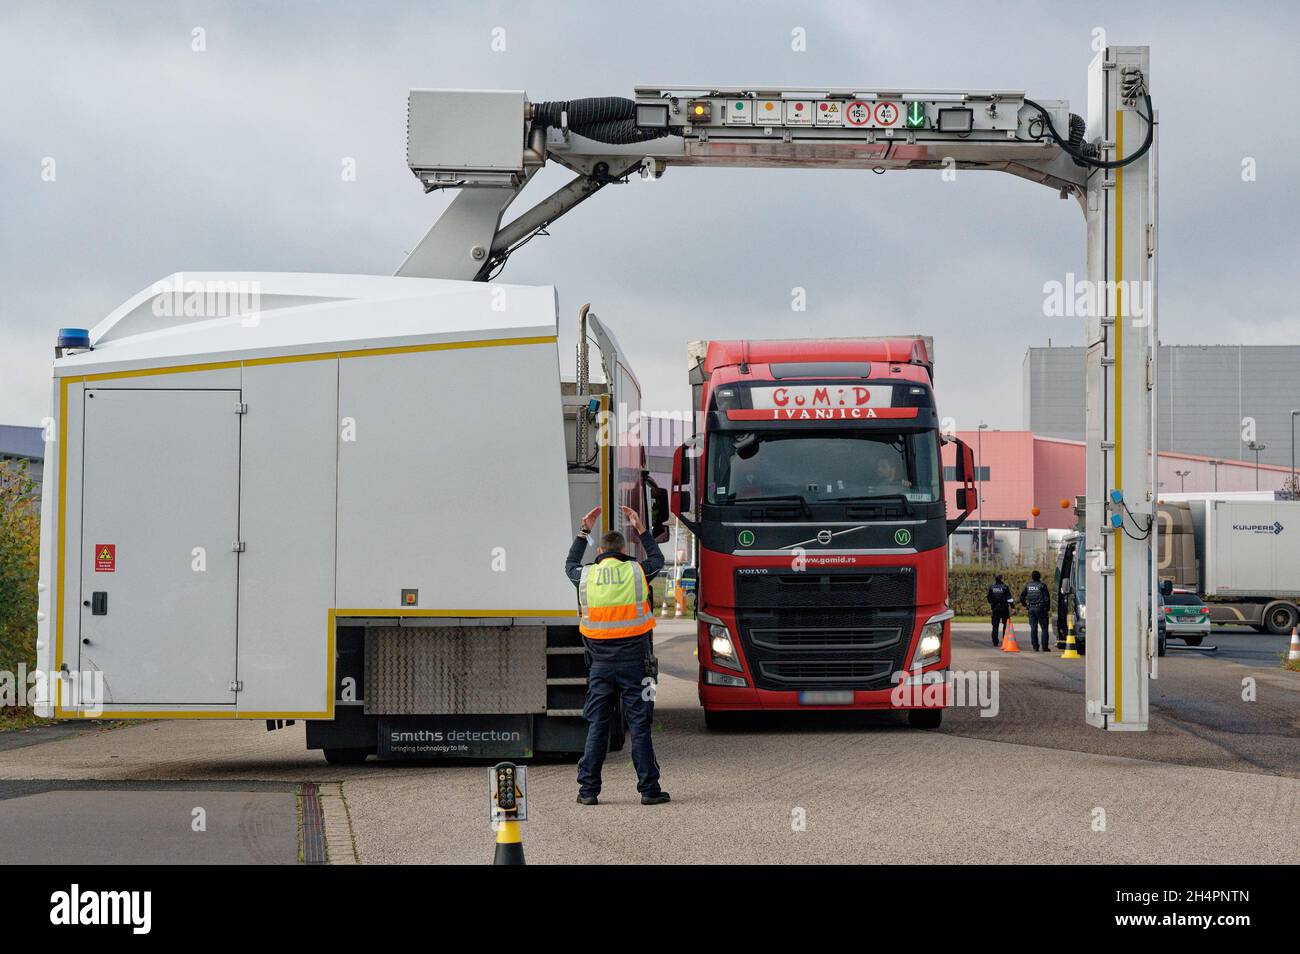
(927,689)
(749,699)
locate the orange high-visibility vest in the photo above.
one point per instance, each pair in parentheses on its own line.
(612,596)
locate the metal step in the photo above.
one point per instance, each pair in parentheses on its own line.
(563,650)
(566,680)
(564,712)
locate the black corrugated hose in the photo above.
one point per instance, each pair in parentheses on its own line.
(608,119)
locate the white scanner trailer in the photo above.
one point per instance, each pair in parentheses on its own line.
(349,507)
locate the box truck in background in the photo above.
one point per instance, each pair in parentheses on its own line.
(1242,556)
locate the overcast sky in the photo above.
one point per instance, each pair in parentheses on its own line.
(169,160)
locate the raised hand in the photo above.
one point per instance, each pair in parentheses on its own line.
(633,519)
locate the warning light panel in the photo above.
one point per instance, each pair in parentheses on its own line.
(830,112)
(799,112)
(700,110)
(768,112)
(740,112)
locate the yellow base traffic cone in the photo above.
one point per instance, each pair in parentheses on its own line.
(1070,651)
(510,844)
(1009,640)
(1294,654)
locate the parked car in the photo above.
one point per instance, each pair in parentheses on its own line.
(687,575)
(1186,616)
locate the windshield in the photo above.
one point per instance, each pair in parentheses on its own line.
(1182,599)
(822,467)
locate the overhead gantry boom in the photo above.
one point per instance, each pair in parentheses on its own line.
(489,143)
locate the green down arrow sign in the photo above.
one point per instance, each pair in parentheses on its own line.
(915,115)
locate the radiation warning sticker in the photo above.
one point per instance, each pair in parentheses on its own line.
(105,557)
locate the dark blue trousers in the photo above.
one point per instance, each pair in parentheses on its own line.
(608,681)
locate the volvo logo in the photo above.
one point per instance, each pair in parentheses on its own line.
(902,536)
(824,537)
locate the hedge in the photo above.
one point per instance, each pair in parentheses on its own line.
(19,566)
(968,586)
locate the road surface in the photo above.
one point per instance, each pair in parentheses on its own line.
(1217,779)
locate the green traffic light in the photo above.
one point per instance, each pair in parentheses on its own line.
(915,115)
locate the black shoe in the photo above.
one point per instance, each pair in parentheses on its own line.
(655,799)
(588,800)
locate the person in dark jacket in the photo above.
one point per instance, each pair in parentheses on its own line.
(617,620)
(999,597)
(1037,600)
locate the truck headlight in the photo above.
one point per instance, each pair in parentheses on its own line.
(929,648)
(1083,611)
(721,646)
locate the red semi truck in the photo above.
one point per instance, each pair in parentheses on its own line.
(815,489)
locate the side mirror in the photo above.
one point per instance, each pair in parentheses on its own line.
(964,471)
(1166,587)
(659,513)
(681,489)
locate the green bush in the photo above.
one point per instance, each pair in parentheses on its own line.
(20,544)
(968,586)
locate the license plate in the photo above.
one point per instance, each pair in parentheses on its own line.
(827,697)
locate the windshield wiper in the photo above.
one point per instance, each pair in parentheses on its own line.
(882,498)
(778,498)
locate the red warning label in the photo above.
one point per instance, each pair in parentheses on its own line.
(105,557)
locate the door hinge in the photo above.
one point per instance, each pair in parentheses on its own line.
(237,685)
(238,547)
(241,408)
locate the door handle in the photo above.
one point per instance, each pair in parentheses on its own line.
(99,603)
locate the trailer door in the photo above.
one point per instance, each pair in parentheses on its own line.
(160,519)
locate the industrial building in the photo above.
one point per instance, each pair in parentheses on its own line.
(1019,472)
(24,443)
(1206,394)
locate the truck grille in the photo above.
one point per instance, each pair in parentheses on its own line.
(829,630)
(869,638)
(884,588)
(820,673)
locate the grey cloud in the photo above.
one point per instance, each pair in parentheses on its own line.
(170,160)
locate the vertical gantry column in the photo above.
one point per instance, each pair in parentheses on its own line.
(1119,492)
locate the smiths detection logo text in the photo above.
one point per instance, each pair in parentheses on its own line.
(76,906)
(1274,528)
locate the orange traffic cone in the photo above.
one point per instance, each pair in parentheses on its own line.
(1294,654)
(1009,640)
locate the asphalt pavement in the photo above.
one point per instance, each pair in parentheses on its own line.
(1216,780)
